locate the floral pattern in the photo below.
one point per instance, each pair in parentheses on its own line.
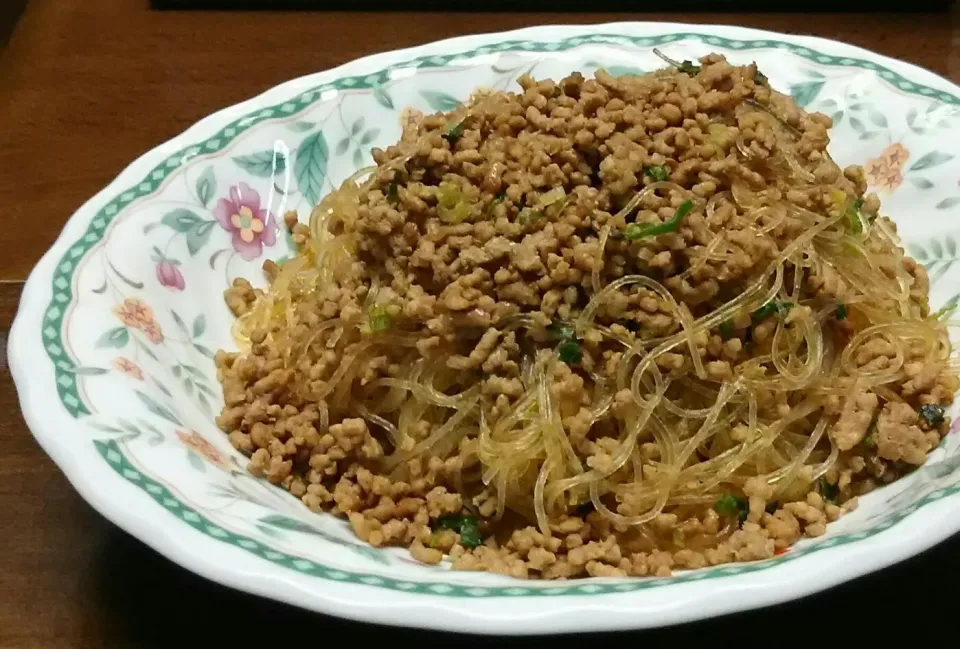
(128,367)
(885,172)
(199,445)
(169,275)
(135,314)
(251,225)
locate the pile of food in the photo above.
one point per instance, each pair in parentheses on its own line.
(610,326)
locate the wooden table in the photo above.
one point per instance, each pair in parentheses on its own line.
(88,85)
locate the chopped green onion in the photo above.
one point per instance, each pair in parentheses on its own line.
(726,329)
(393,192)
(378,318)
(841,311)
(561,330)
(499,198)
(854,216)
(570,352)
(636,231)
(870,440)
(657,172)
(828,491)
(947,309)
(451,206)
(687,67)
(465,525)
(454,132)
(932,414)
(528,216)
(778,307)
(552,196)
(728,505)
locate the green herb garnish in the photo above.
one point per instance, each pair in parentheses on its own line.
(393,192)
(830,492)
(947,309)
(637,231)
(378,318)
(728,505)
(465,525)
(726,329)
(686,67)
(870,439)
(841,311)
(454,132)
(779,307)
(528,215)
(932,414)
(499,198)
(854,217)
(657,172)
(570,352)
(561,330)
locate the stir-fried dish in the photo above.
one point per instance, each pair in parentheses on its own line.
(606,327)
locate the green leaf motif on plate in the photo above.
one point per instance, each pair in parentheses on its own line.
(262,164)
(931,159)
(196,462)
(162,388)
(937,255)
(357,158)
(382,97)
(199,325)
(158,409)
(342,146)
(310,166)
(857,125)
(440,101)
(947,203)
(206,186)
(181,220)
(180,323)
(369,136)
(920,183)
(116,338)
(293,525)
(198,236)
(805,93)
(876,117)
(89,371)
(357,126)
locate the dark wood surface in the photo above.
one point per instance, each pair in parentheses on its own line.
(88,85)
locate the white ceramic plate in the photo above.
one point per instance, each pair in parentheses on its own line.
(111,347)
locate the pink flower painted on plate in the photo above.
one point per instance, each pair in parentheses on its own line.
(170,276)
(252,226)
(128,367)
(196,443)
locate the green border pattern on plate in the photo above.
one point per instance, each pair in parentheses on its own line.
(62,285)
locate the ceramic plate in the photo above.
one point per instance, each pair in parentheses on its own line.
(111,349)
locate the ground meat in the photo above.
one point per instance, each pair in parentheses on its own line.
(549,308)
